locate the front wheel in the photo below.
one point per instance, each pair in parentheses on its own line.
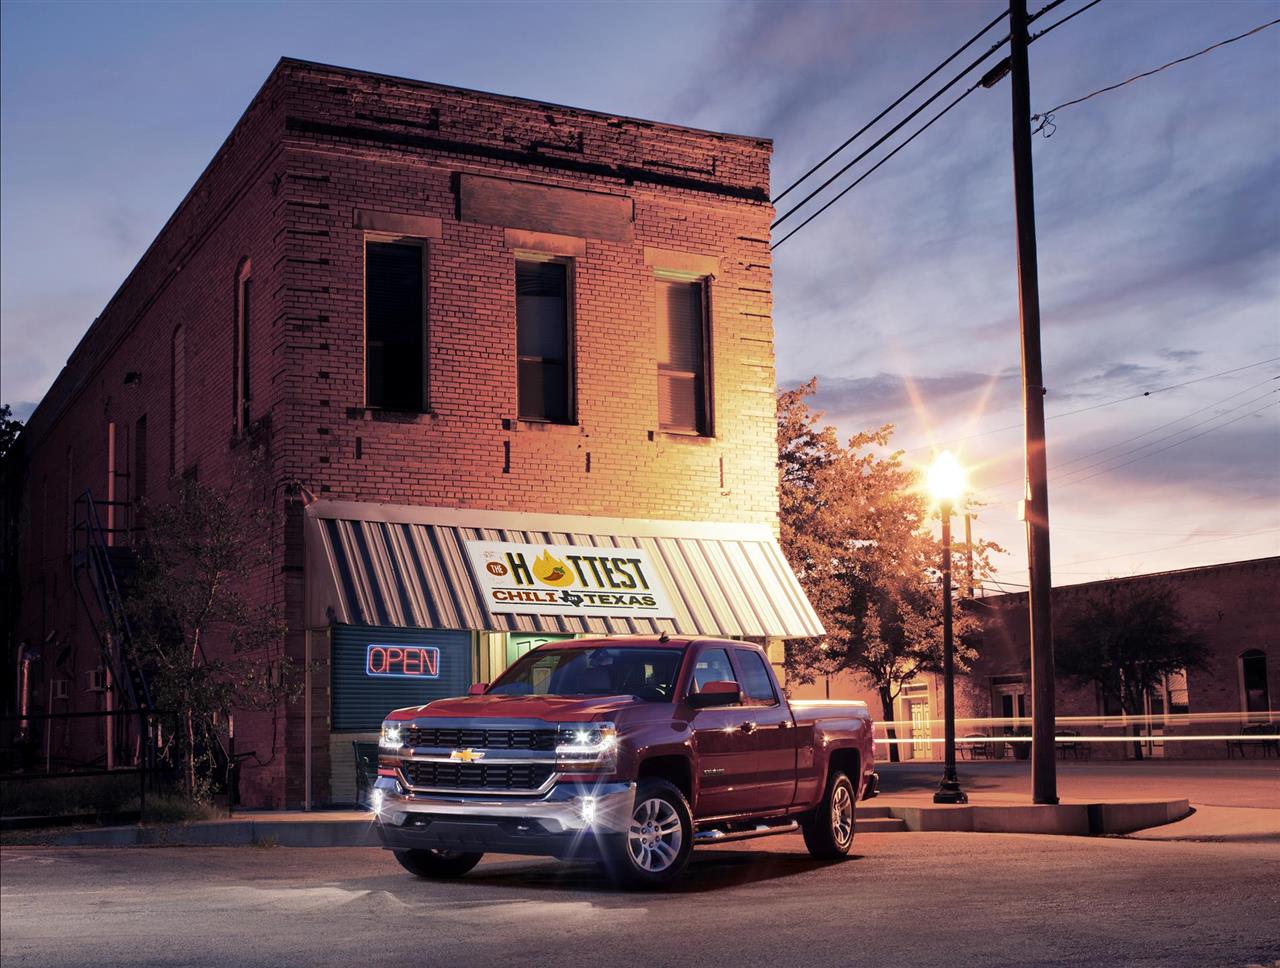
(437,864)
(828,831)
(659,838)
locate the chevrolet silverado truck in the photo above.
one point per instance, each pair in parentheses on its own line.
(629,751)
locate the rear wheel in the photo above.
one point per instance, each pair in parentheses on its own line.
(437,863)
(659,838)
(828,831)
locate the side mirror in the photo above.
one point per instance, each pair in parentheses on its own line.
(716,694)
(478,689)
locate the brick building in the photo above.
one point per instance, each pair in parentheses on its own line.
(468,330)
(1232,605)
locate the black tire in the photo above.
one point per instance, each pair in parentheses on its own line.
(656,847)
(437,864)
(828,831)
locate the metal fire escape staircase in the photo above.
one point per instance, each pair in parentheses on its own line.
(99,559)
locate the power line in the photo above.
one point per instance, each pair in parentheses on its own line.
(839,195)
(1058,468)
(1058,23)
(1179,443)
(1149,551)
(988,80)
(888,134)
(863,130)
(1164,534)
(1046,117)
(1099,406)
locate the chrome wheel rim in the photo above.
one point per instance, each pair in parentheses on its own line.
(655,835)
(841,815)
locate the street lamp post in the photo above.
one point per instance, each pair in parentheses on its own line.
(946,482)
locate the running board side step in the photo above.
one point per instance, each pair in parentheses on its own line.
(763,830)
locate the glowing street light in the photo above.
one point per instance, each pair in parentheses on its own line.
(947,485)
(947,480)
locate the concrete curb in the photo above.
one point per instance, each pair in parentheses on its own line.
(1070,819)
(1074,819)
(229,833)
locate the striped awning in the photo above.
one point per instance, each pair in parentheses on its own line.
(392,565)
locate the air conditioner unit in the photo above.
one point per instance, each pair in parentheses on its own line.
(97,679)
(60,689)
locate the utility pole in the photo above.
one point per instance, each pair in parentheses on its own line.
(1044,786)
(968,548)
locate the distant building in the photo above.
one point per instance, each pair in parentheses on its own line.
(1235,607)
(463,326)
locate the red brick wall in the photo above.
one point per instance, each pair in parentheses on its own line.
(316,145)
(471,450)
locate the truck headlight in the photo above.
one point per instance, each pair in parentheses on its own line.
(587,747)
(391,738)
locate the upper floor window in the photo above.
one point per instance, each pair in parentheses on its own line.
(244,307)
(544,371)
(395,326)
(684,383)
(177,401)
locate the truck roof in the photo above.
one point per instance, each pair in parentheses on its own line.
(631,641)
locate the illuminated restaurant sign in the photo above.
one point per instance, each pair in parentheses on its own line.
(535,579)
(402,661)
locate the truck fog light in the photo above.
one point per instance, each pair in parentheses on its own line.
(375,801)
(588,810)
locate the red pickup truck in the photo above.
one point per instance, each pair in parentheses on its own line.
(629,751)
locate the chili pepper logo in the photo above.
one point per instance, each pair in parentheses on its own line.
(551,571)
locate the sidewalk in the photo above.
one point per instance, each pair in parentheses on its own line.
(1220,800)
(1150,799)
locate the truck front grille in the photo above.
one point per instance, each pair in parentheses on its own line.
(480,739)
(477,776)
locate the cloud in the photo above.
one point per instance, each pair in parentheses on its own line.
(884,397)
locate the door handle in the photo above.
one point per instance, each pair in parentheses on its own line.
(748,727)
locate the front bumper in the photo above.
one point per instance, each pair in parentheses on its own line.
(572,820)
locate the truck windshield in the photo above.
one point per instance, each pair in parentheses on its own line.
(648,674)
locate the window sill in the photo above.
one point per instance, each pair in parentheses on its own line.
(686,437)
(522,424)
(379,415)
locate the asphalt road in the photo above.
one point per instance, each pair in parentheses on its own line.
(903,899)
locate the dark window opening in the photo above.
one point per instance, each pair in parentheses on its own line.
(246,389)
(140,461)
(1253,676)
(394,327)
(683,383)
(544,372)
(177,402)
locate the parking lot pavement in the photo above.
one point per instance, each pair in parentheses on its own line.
(925,899)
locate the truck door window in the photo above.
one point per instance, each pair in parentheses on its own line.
(712,666)
(757,687)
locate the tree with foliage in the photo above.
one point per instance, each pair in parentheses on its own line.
(9,430)
(1126,639)
(857,528)
(209,644)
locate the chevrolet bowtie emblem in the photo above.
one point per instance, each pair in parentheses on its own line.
(466,756)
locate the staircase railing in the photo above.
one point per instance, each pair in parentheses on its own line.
(93,554)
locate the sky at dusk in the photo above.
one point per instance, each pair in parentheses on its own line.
(1158,208)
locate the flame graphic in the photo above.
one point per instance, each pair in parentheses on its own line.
(551,571)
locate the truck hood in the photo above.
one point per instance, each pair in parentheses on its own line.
(551,709)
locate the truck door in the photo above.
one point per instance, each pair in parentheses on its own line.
(721,747)
(770,732)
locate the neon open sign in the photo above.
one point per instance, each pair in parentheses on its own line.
(402,661)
